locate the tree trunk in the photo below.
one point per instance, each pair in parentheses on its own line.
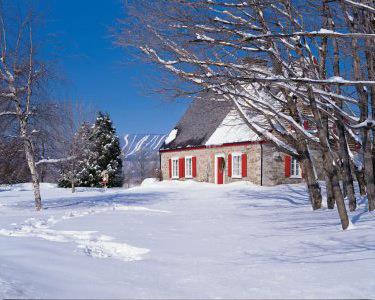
(30,158)
(328,164)
(333,178)
(313,186)
(73,175)
(368,21)
(29,151)
(361,181)
(73,186)
(364,107)
(307,165)
(42,168)
(369,171)
(329,193)
(329,187)
(343,152)
(346,171)
(340,203)
(309,175)
(344,189)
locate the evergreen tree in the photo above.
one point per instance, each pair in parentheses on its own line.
(95,149)
(105,153)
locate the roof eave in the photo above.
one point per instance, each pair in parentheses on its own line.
(212,146)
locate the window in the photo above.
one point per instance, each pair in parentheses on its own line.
(175,167)
(295,169)
(236,165)
(188,167)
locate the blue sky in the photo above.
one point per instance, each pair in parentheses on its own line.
(93,70)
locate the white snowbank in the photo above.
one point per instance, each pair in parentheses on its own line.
(229,241)
(149,181)
(138,208)
(104,249)
(92,243)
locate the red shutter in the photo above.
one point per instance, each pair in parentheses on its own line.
(287,160)
(194,166)
(170,168)
(306,124)
(229,165)
(244,165)
(181,169)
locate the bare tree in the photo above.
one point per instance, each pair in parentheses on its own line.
(73,134)
(21,77)
(209,43)
(139,166)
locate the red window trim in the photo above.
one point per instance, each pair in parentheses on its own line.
(244,164)
(181,167)
(170,168)
(230,165)
(194,166)
(287,165)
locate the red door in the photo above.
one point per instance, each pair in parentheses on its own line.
(220,170)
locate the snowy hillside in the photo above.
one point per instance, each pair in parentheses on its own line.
(181,240)
(147,144)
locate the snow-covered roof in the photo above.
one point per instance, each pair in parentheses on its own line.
(232,130)
(198,123)
(210,121)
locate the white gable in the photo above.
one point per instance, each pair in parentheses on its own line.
(232,130)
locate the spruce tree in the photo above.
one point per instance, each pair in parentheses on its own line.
(95,148)
(105,154)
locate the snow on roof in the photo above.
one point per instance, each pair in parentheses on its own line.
(232,130)
(199,122)
(213,120)
(171,137)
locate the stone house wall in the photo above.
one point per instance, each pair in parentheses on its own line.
(206,162)
(273,167)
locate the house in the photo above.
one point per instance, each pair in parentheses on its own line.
(211,143)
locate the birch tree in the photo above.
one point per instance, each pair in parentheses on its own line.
(21,76)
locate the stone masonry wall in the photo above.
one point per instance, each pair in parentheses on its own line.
(273,164)
(206,162)
(274,167)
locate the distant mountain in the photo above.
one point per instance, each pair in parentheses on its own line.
(142,144)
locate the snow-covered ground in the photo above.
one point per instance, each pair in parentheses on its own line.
(181,240)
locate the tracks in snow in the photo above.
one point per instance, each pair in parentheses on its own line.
(91,243)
